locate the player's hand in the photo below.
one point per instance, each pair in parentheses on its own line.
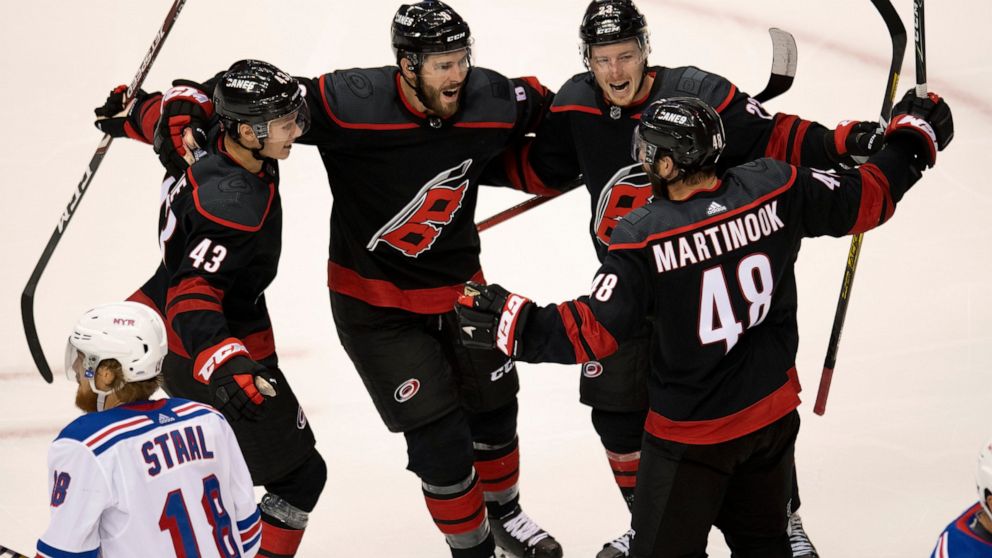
(928,120)
(117,120)
(186,113)
(240,387)
(853,141)
(490,316)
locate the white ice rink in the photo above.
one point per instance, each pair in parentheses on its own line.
(881,474)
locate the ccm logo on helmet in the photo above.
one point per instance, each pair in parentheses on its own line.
(407,390)
(507,320)
(456,37)
(218,357)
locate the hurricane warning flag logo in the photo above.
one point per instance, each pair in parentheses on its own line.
(415,228)
(629,189)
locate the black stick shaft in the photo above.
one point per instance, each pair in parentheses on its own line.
(919,36)
(27,296)
(897,32)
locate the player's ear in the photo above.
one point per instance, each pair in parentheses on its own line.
(105,377)
(407,68)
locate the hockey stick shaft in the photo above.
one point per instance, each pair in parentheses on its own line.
(919,37)
(784,62)
(897,33)
(27,296)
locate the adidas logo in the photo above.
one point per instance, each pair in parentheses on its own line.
(715,208)
(165,419)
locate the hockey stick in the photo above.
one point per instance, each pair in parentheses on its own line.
(897,32)
(784,60)
(785,57)
(8,553)
(27,297)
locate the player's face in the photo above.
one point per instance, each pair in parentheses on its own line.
(283,132)
(441,79)
(618,69)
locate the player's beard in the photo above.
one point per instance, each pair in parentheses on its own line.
(431,97)
(86,399)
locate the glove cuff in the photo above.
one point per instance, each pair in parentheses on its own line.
(840,135)
(511,320)
(219,359)
(189,94)
(926,138)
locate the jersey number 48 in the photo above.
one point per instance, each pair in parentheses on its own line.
(717,321)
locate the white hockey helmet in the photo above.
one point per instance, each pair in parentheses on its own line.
(128,332)
(983,476)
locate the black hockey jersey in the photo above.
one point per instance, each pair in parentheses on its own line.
(221,236)
(582,133)
(405,183)
(714,275)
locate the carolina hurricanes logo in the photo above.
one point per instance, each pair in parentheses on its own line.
(414,229)
(406,390)
(629,189)
(592,369)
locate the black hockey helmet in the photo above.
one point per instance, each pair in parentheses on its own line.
(425,28)
(683,128)
(612,21)
(256,93)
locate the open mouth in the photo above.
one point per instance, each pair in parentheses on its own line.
(621,87)
(451,93)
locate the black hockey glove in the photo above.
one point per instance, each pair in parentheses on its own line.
(239,387)
(490,316)
(853,141)
(185,105)
(927,120)
(113,119)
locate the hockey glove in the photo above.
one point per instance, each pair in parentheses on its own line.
(928,120)
(239,387)
(490,316)
(853,141)
(135,121)
(185,105)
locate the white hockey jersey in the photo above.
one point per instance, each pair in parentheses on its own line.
(154,478)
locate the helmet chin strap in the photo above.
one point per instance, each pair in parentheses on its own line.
(101,395)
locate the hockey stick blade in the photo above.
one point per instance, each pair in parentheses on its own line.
(785,59)
(897,34)
(8,553)
(27,296)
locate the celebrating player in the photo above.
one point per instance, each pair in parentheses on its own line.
(587,131)
(709,263)
(405,148)
(970,535)
(129,476)
(221,235)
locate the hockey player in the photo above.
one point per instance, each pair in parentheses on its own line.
(587,131)
(221,229)
(405,149)
(970,535)
(128,477)
(709,262)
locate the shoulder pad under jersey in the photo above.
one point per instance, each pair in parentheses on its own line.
(761,175)
(362,96)
(579,90)
(229,195)
(636,225)
(489,97)
(690,81)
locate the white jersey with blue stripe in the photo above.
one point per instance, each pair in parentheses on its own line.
(152,478)
(959,539)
